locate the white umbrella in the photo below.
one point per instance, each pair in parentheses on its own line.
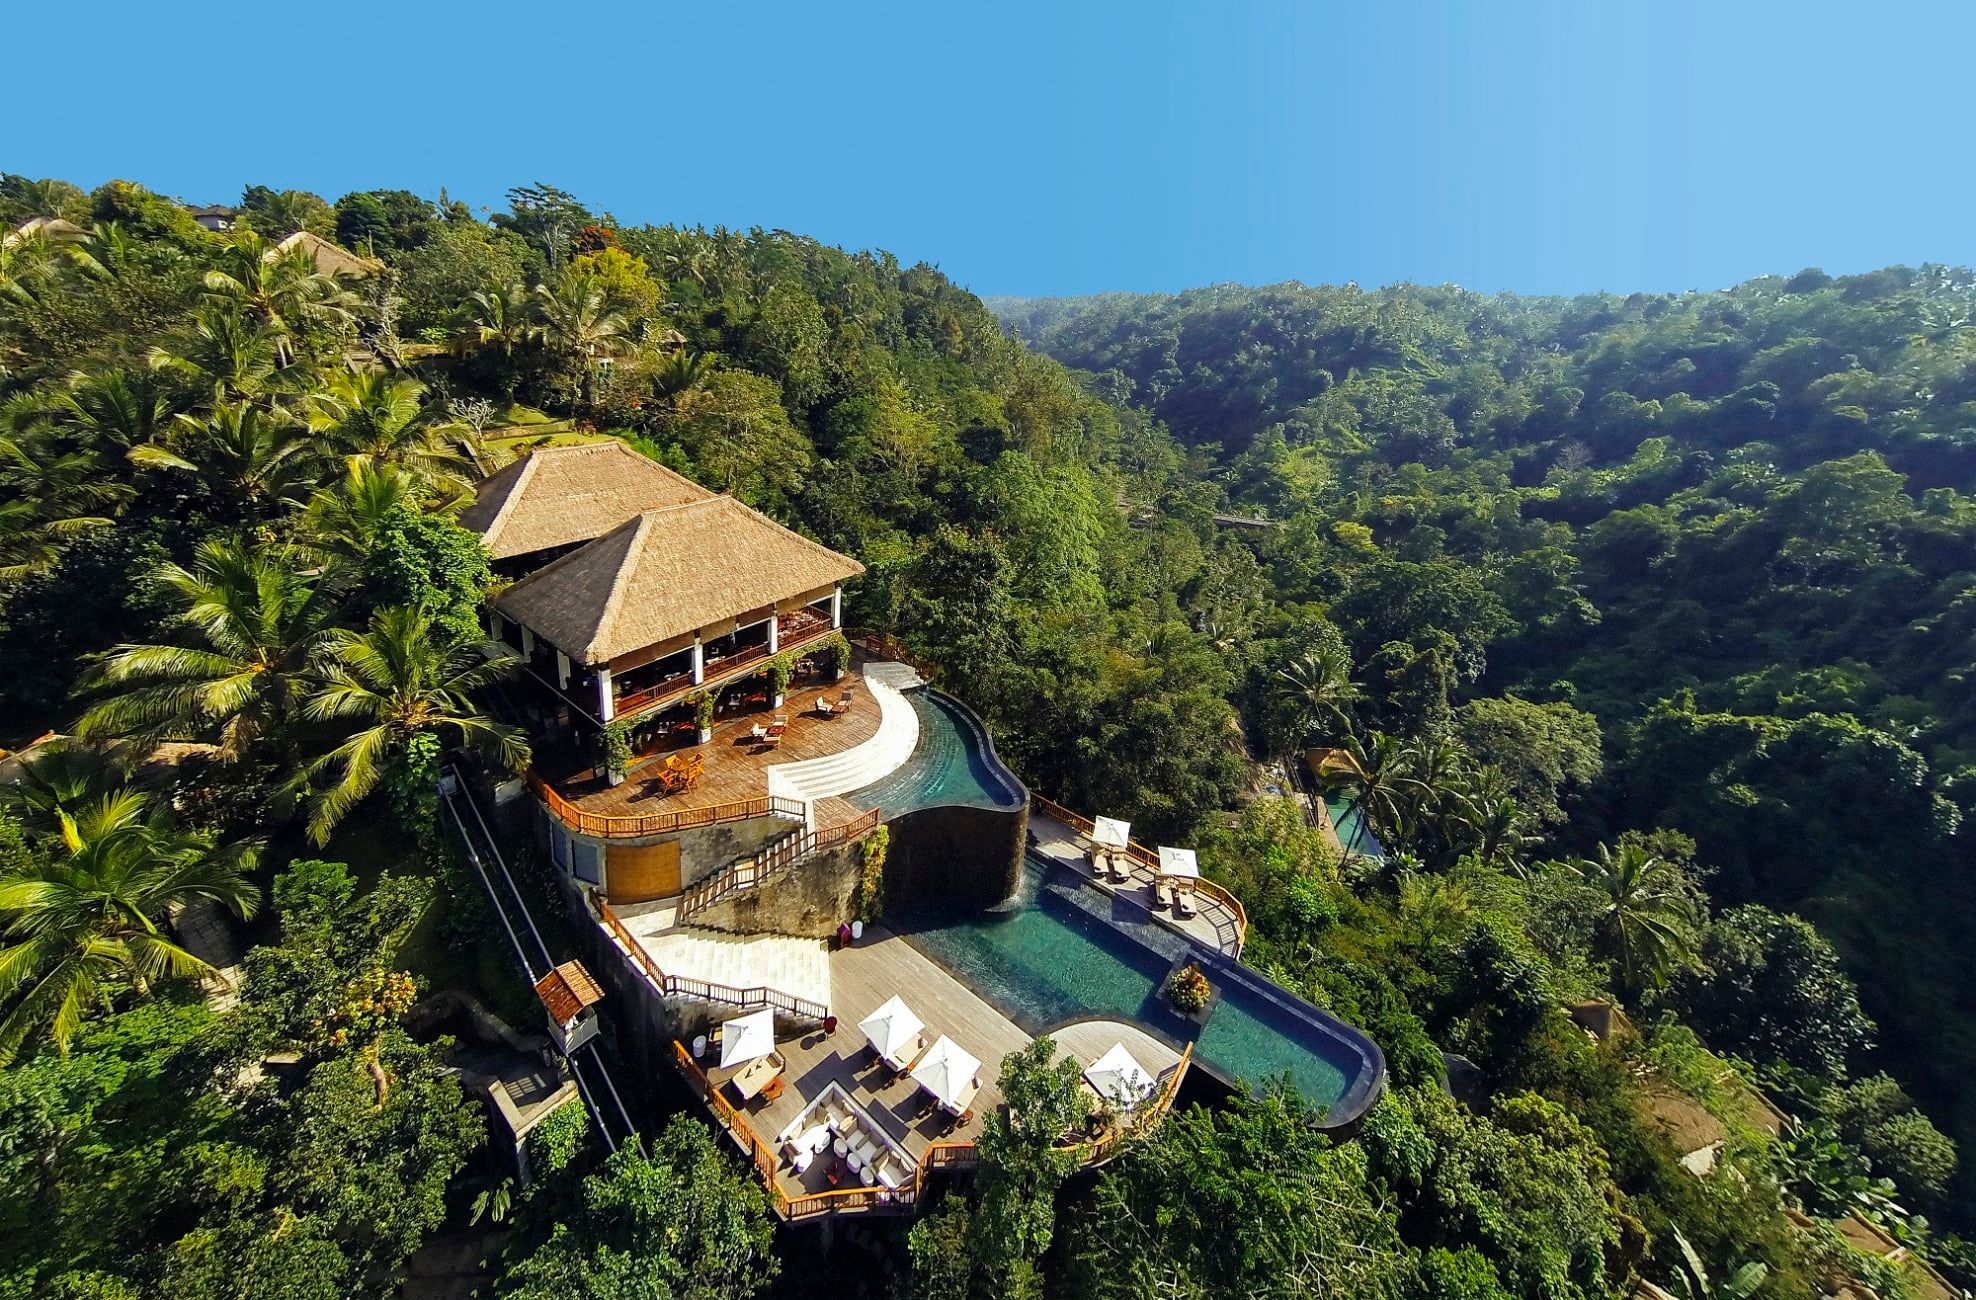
(1111,832)
(1120,1079)
(1179,864)
(890,1028)
(946,1071)
(747,1038)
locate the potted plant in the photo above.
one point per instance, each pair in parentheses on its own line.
(780,670)
(617,751)
(703,714)
(837,653)
(1189,991)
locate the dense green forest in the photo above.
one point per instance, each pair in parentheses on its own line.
(1643,624)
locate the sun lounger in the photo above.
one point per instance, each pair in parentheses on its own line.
(1162,895)
(1121,868)
(1183,904)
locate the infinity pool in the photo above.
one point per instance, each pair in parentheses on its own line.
(1041,962)
(951,765)
(1353,833)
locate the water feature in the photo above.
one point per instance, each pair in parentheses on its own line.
(952,765)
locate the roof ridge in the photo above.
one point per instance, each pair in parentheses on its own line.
(508,503)
(613,601)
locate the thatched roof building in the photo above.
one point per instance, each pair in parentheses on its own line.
(330,259)
(698,567)
(557,497)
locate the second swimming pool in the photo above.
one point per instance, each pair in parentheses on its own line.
(1041,962)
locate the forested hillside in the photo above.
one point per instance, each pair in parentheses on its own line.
(1641,624)
(1735,526)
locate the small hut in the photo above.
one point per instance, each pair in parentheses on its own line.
(570,996)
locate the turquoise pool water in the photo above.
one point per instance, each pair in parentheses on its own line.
(952,764)
(1041,961)
(1352,830)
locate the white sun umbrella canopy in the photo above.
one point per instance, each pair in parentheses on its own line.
(747,1038)
(892,1027)
(1179,864)
(1111,832)
(1120,1079)
(946,1071)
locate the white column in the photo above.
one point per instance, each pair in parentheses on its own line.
(606,706)
(527,642)
(836,607)
(562,670)
(493,625)
(699,664)
(774,642)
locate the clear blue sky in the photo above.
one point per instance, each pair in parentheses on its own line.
(1056,148)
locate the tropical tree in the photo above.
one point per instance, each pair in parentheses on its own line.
(256,620)
(400,680)
(223,353)
(579,324)
(1318,686)
(348,520)
(283,290)
(1692,1282)
(49,493)
(377,417)
(250,461)
(90,916)
(499,318)
(1650,913)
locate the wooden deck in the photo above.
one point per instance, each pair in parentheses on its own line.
(734,767)
(1213,925)
(862,977)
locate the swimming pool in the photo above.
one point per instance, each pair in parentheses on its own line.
(1353,833)
(953,764)
(1041,962)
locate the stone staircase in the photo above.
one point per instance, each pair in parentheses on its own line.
(900,677)
(860,765)
(798,967)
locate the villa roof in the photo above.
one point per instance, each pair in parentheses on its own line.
(666,573)
(330,259)
(53,229)
(555,496)
(567,990)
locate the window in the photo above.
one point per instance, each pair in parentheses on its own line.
(588,864)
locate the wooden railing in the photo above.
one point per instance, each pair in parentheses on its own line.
(1150,860)
(887,646)
(748,661)
(681,986)
(1143,1119)
(772,861)
(614,826)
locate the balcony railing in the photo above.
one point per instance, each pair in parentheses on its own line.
(611,826)
(1145,857)
(716,674)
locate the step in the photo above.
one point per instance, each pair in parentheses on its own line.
(798,967)
(862,764)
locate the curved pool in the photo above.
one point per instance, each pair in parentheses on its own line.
(953,765)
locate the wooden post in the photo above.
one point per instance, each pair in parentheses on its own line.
(773,629)
(527,642)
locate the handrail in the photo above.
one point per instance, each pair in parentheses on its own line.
(786,852)
(747,662)
(887,646)
(680,986)
(1146,857)
(615,826)
(1099,1148)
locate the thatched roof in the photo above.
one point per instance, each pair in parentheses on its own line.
(667,573)
(330,259)
(567,990)
(53,229)
(557,496)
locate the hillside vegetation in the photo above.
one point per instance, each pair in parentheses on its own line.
(1622,687)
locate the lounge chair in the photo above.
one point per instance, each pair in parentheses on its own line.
(1183,904)
(1121,868)
(1162,895)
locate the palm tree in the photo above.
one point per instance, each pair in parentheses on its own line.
(257,622)
(501,319)
(90,917)
(50,491)
(401,679)
(1318,685)
(282,289)
(680,372)
(118,408)
(1435,783)
(1379,773)
(252,460)
(225,353)
(346,521)
(1691,1280)
(377,417)
(578,322)
(1500,829)
(1649,917)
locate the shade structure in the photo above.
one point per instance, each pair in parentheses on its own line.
(747,1038)
(891,1028)
(946,1071)
(1120,1079)
(1179,864)
(1111,832)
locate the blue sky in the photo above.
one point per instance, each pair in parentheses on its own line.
(1057,148)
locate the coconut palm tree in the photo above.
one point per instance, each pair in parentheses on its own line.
(381,418)
(1649,917)
(578,322)
(250,461)
(89,918)
(501,319)
(1318,685)
(400,679)
(680,372)
(345,522)
(1501,831)
(255,621)
(116,408)
(50,491)
(224,354)
(282,290)
(1379,774)
(1434,781)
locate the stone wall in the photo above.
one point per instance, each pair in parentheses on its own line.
(960,855)
(809,900)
